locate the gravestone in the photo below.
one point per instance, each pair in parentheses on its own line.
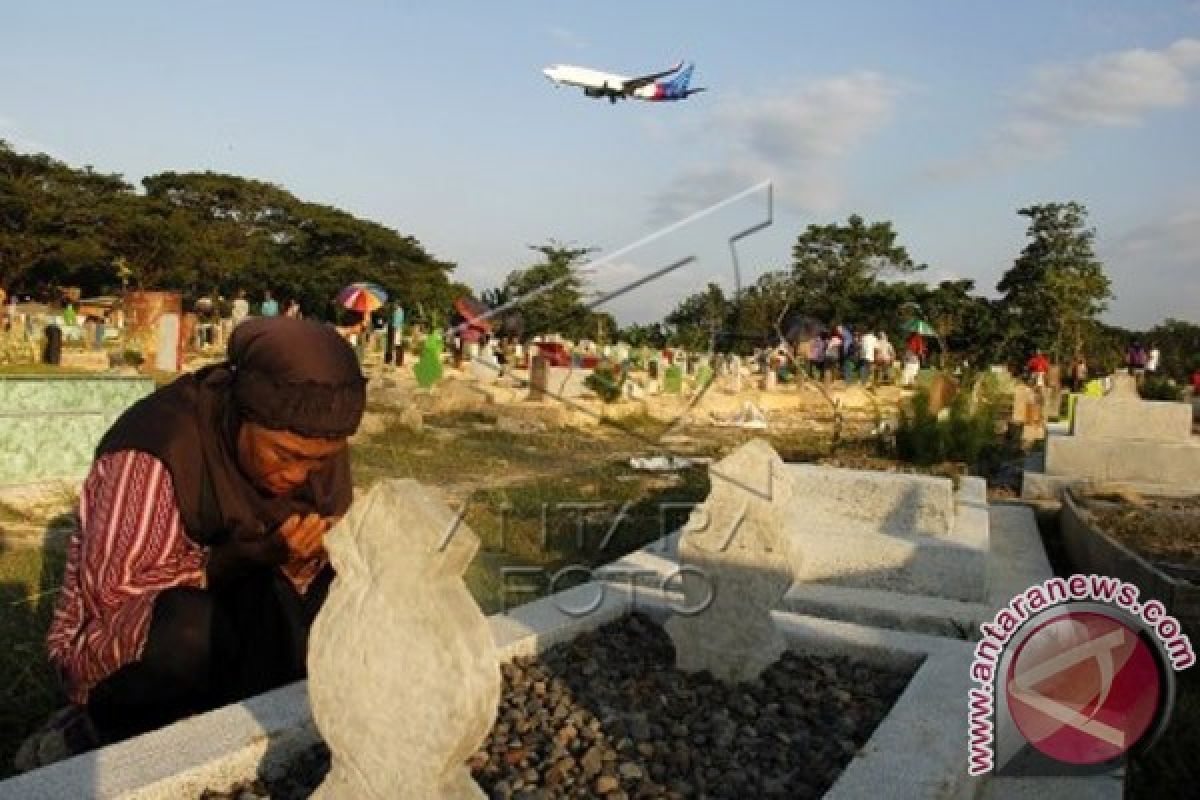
(429,368)
(166,354)
(538,377)
(736,568)
(403,674)
(1120,437)
(673,380)
(704,376)
(652,369)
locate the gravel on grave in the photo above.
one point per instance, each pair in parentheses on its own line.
(607,715)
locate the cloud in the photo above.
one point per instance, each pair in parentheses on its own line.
(1155,269)
(798,136)
(1111,90)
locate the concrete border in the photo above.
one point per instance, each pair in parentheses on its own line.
(1093,550)
(239,742)
(919,750)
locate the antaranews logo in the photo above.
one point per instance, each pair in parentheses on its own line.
(1074,675)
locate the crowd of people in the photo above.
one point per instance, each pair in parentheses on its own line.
(861,354)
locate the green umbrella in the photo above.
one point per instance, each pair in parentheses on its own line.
(919,326)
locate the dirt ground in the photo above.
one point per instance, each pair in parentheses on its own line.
(1162,530)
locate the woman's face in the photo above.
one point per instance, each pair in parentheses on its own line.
(278,462)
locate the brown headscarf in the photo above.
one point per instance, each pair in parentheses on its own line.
(282,373)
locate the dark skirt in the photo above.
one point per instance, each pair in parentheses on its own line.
(208,648)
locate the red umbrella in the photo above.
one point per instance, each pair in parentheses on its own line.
(474,313)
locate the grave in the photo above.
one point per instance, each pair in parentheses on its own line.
(399,637)
(1120,438)
(52,424)
(673,380)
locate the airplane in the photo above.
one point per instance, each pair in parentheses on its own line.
(617,87)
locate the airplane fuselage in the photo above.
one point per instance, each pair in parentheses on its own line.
(596,83)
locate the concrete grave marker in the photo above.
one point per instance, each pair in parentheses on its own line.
(673,380)
(539,373)
(404,677)
(736,568)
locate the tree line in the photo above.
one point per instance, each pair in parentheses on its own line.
(212,234)
(202,233)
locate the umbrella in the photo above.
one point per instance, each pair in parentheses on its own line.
(919,326)
(798,327)
(362,297)
(474,313)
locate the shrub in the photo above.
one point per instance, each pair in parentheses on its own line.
(964,435)
(1155,387)
(606,382)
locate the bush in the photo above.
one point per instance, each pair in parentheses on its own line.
(964,435)
(1155,387)
(606,381)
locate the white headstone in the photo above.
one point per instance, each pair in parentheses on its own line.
(738,568)
(166,355)
(404,678)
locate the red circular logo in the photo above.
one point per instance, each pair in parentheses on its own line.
(1083,688)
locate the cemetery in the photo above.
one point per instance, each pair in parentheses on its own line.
(290,508)
(787,637)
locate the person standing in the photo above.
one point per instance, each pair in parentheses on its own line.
(270,308)
(240,309)
(293,309)
(868,345)
(816,355)
(1037,366)
(396,335)
(1135,358)
(1152,359)
(885,356)
(833,355)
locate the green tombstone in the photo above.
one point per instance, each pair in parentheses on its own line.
(673,379)
(704,376)
(429,369)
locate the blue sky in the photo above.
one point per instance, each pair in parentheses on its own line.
(943,117)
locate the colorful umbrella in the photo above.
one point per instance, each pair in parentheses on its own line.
(919,326)
(362,297)
(474,313)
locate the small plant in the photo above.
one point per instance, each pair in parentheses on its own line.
(964,435)
(606,381)
(1160,388)
(133,358)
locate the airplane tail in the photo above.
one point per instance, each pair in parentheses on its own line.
(677,87)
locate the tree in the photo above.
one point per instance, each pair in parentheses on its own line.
(196,232)
(549,293)
(835,266)
(1056,288)
(699,318)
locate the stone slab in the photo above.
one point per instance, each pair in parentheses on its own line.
(1144,461)
(1109,418)
(1018,558)
(1040,487)
(216,750)
(884,502)
(926,566)
(877,608)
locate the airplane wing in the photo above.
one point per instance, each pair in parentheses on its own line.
(636,83)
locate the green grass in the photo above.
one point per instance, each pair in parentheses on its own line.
(28,691)
(1170,766)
